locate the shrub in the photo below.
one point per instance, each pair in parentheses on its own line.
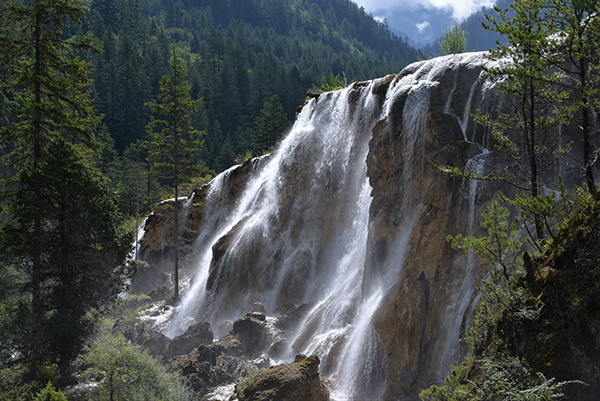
(127,372)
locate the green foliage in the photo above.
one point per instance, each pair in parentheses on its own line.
(173,143)
(270,125)
(453,40)
(175,148)
(48,393)
(45,76)
(331,83)
(522,71)
(14,384)
(510,379)
(128,373)
(576,46)
(499,248)
(82,267)
(240,54)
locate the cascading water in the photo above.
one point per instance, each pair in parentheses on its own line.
(463,296)
(299,230)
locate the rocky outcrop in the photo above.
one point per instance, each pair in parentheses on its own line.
(195,335)
(298,381)
(209,366)
(156,245)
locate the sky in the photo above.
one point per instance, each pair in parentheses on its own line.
(459,9)
(422,21)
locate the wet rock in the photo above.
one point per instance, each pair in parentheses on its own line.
(157,345)
(225,327)
(203,370)
(148,278)
(295,381)
(278,349)
(258,308)
(160,294)
(290,318)
(252,335)
(195,335)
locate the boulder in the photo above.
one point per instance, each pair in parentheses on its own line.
(258,308)
(202,369)
(157,345)
(290,317)
(298,381)
(225,327)
(160,294)
(252,335)
(148,278)
(195,335)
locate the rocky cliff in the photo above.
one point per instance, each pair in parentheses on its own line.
(349,216)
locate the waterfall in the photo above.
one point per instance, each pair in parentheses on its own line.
(298,230)
(449,352)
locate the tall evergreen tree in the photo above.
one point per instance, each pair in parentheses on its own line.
(49,82)
(579,44)
(534,92)
(270,125)
(174,145)
(82,256)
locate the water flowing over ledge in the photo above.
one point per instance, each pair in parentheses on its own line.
(349,217)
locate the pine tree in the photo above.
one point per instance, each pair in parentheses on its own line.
(174,148)
(270,125)
(81,264)
(453,40)
(537,101)
(49,81)
(579,43)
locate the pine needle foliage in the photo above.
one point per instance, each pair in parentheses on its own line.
(453,40)
(174,145)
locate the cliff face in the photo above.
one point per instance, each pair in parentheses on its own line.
(350,217)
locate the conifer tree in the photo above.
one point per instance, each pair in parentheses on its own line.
(271,123)
(453,40)
(41,238)
(538,103)
(579,44)
(174,145)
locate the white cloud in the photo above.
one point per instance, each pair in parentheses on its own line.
(461,9)
(423,26)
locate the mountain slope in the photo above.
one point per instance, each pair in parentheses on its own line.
(241,53)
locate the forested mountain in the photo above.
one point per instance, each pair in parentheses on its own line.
(241,53)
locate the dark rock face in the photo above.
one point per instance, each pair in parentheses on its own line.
(157,345)
(298,381)
(195,335)
(160,294)
(252,334)
(149,278)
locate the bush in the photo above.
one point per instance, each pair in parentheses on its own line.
(127,372)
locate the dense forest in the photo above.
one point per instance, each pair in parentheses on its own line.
(243,57)
(240,54)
